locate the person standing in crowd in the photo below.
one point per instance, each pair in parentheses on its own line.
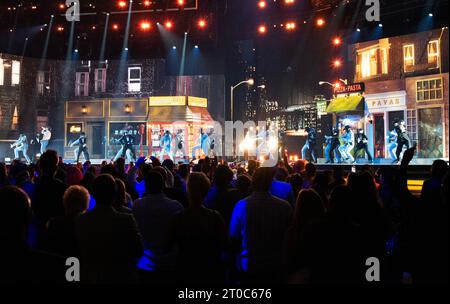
(257,229)
(21,145)
(154,213)
(46,136)
(110,242)
(402,139)
(47,202)
(82,147)
(19,263)
(361,144)
(348,143)
(392,144)
(60,235)
(332,147)
(200,236)
(310,144)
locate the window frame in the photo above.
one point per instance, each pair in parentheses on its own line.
(102,81)
(429,90)
(15,75)
(2,72)
(79,85)
(132,82)
(412,58)
(437,54)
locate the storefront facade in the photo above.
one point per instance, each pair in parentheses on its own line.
(428,114)
(385,109)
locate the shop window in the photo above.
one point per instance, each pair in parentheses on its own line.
(408,58)
(15,73)
(82,84)
(43,82)
(430,89)
(433,53)
(384,60)
(100,80)
(411,124)
(2,72)
(431,143)
(134,79)
(368,63)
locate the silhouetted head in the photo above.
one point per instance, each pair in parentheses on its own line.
(198,186)
(48,162)
(15,213)
(104,189)
(75,200)
(439,169)
(223,176)
(154,182)
(262,179)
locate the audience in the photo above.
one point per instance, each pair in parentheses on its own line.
(158,223)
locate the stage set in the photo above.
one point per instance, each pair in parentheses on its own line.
(162,127)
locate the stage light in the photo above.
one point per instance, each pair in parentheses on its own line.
(60,29)
(290,26)
(337,63)
(34,7)
(358,30)
(147,3)
(122,4)
(262,29)
(262,4)
(380,24)
(126,49)
(93,27)
(288,2)
(320,22)
(62,6)
(181,2)
(337,85)
(201,23)
(168,25)
(174,47)
(127,109)
(196,46)
(115,27)
(430,14)
(337,41)
(145,25)
(76,50)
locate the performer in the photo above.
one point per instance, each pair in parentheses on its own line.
(166,145)
(127,142)
(179,144)
(202,144)
(310,144)
(35,145)
(348,142)
(361,144)
(332,147)
(392,144)
(46,136)
(19,145)
(402,139)
(82,147)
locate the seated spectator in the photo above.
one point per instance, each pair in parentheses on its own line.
(199,235)
(257,230)
(153,214)
(60,236)
(123,199)
(109,241)
(18,262)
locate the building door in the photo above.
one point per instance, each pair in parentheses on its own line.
(96,140)
(379,135)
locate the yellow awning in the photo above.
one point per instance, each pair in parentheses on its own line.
(346,104)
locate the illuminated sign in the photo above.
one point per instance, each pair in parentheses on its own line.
(351,88)
(197,102)
(160,101)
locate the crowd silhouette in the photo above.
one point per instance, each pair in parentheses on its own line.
(219,223)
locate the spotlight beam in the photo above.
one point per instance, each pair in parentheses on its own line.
(47,40)
(105,34)
(183,55)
